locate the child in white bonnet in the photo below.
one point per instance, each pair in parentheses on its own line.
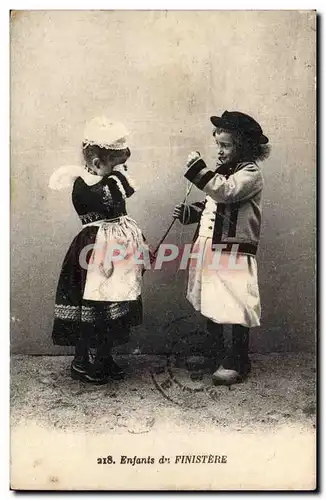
(98,300)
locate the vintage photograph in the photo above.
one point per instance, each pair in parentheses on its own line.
(163,250)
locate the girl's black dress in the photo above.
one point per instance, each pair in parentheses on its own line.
(102,203)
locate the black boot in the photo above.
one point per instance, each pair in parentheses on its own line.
(218,348)
(80,364)
(236,365)
(104,367)
(96,375)
(111,368)
(82,369)
(240,341)
(115,332)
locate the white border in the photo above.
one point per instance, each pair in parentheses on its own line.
(161,5)
(4,256)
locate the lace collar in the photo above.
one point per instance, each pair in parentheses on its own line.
(64,177)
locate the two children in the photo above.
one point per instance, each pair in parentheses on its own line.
(96,305)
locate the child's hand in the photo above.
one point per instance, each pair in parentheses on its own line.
(179,212)
(193,156)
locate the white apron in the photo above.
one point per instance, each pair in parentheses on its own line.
(119,278)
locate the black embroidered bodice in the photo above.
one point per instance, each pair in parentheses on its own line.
(103,200)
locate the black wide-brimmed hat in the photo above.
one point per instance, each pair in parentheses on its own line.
(234,120)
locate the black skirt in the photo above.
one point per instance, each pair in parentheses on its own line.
(73,314)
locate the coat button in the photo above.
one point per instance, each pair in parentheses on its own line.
(210,227)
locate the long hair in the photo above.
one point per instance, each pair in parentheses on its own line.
(248,148)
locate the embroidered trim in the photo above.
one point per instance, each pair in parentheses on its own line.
(131,181)
(116,146)
(88,314)
(91,217)
(107,196)
(109,312)
(120,186)
(66,312)
(129,190)
(116,310)
(123,169)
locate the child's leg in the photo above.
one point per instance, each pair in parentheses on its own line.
(96,372)
(104,362)
(103,355)
(240,342)
(81,351)
(82,347)
(81,368)
(238,358)
(104,367)
(236,365)
(80,363)
(216,331)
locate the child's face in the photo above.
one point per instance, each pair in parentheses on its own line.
(226,148)
(105,168)
(112,160)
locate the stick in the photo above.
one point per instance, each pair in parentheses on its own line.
(165,235)
(171,225)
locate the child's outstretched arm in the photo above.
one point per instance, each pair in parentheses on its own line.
(115,187)
(240,186)
(188,214)
(121,179)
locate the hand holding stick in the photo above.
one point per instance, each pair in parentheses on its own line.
(175,217)
(176,214)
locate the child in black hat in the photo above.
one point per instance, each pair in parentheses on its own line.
(222,281)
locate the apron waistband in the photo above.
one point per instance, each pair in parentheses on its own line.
(107,221)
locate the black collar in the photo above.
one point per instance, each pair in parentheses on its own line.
(227,168)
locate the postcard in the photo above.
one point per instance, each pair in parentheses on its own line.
(163,283)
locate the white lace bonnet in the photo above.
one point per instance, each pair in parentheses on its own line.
(100,132)
(106,134)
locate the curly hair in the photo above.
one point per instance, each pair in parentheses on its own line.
(248,149)
(118,156)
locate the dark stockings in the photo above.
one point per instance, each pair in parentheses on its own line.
(82,347)
(238,358)
(216,331)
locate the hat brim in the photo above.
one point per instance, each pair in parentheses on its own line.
(221,122)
